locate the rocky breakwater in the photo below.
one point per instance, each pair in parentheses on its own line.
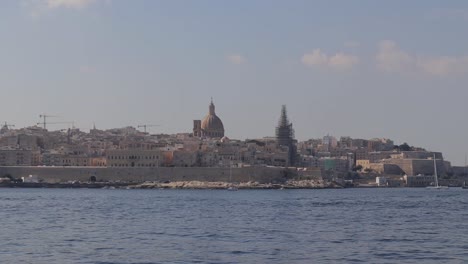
(291,184)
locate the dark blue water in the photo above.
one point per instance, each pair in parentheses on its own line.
(216,226)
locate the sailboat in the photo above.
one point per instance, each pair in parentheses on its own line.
(436,180)
(464,186)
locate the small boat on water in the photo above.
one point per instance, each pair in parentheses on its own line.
(464,174)
(232,188)
(436,181)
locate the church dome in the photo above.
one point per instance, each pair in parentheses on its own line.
(212,122)
(211,125)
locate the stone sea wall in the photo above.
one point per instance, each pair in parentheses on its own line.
(64,174)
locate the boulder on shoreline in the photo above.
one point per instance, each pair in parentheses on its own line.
(302,184)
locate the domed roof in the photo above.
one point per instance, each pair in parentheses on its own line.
(212,124)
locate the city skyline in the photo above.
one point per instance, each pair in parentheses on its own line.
(395,70)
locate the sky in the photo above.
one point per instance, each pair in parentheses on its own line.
(365,69)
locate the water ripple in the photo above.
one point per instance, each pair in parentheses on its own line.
(248,226)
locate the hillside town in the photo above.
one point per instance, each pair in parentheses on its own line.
(345,160)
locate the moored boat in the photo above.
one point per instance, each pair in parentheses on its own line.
(436,181)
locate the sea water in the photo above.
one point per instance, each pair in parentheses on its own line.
(248,226)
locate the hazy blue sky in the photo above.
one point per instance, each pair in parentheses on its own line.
(394,69)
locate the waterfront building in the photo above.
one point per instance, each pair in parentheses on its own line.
(419,180)
(211,126)
(99,162)
(381,181)
(389,182)
(411,166)
(180,158)
(55,158)
(19,157)
(133,158)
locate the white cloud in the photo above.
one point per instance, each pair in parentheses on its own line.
(390,58)
(236,59)
(37,8)
(444,65)
(74,4)
(341,60)
(315,58)
(337,61)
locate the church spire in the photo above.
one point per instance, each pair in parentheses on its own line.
(212,107)
(283,121)
(285,135)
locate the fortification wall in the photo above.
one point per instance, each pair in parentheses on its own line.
(426,167)
(65,174)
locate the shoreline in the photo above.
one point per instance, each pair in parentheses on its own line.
(195,185)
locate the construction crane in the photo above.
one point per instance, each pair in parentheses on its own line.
(8,125)
(44,118)
(56,123)
(146,125)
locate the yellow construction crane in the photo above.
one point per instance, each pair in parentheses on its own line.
(146,125)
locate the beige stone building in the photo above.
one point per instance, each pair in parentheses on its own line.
(365,164)
(180,158)
(65,159)
(99,162)
(17,157)
(134,158)
(420,166)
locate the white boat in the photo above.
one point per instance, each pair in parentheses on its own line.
(436,180)
(464,186)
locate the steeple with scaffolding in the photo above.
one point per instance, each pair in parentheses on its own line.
(285,134)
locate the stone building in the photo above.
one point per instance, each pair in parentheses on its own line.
(19,157)
(420,166)
(134,158)
(55,158)
(419,180)
(180,158)
(338,164)
(211,126)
